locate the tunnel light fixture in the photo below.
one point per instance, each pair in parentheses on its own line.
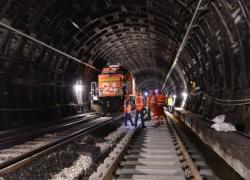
(78,88)
(74,24)
(184,94)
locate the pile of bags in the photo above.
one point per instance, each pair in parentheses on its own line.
(220,125)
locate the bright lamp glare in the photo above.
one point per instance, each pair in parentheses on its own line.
(174,96)
(184,94)
(145,93)
(78,88)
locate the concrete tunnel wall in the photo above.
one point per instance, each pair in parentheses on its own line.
(142,35)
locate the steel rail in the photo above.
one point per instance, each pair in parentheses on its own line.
(28,157)
(194,171)
(13,138)
(18,139)
(111,163)
(184,41)
(114,158)
(105,170)
(46,45)
(40,125)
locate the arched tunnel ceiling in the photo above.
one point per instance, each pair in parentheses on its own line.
(38,83)
(140,35)
(143,36)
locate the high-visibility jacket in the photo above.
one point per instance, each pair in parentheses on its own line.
(161,100)
(154,108)
(153,101)
(139,103)
(170,101)
(149,100)
(127,106)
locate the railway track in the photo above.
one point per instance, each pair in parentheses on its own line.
(19,155)
(154,153)
(17,136)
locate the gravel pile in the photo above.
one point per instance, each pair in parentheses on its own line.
(41,168)
(69,162)
(104,146)
(111,140)
(82,164)
(112,137)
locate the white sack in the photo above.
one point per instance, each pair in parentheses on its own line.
(219,119)
(223,127)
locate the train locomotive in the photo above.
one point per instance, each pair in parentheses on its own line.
(108,93)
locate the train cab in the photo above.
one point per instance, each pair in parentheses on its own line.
(113,84)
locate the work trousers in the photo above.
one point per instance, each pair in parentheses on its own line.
(127,117)
(170,108)
(142,118)
(149,113)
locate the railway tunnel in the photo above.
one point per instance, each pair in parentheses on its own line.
(48,48)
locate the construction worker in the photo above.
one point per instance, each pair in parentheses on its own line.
(170,103)
(139,107)
(161,98)
(127,110)
(149,103)
(154,108)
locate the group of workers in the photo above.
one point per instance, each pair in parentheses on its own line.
(139,107)
(154,104)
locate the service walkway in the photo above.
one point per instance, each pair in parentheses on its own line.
(231,146)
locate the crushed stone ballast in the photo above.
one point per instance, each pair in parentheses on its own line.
(20,155)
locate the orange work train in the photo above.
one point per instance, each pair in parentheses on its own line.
(114,83)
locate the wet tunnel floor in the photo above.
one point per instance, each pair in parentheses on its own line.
(215,162)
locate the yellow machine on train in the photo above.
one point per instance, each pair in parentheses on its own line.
(113,84)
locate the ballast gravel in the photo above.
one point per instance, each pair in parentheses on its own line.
(69,162)
(73,172)
(84,163)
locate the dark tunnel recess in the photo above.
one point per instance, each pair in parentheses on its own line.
(37,82)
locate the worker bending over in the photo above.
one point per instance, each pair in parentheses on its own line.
(127,111)
(139,107)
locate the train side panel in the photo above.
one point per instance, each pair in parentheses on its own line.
(110,85)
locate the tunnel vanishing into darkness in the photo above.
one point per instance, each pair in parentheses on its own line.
(143,35)
(168,44)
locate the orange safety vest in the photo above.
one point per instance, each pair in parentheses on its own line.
(127,106)
(139,104)
(161,100)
